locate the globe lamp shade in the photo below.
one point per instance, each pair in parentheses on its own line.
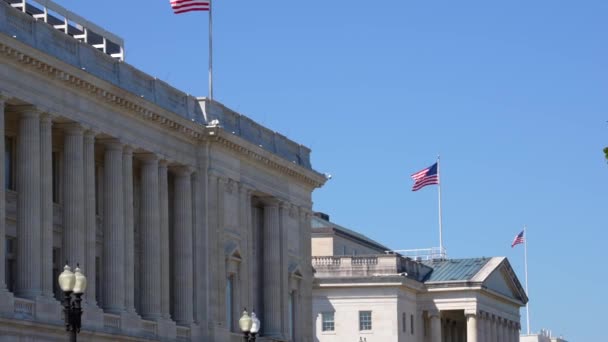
(66,279)
(80,281)
(245,322)
(255,324)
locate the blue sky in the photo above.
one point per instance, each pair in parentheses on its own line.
(512,94)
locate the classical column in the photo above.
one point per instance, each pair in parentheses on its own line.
(90,216)
(435,327)
(3,287)
(182,246)
(471,327)
(283,272)
(245,224)
(114,229)
(73,194)
(129,243)
(199,180)
(46,205)
(272,270)
(28,205)
(163,212)
(150,239)
(481,326)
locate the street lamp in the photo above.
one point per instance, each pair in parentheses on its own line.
(72,283)
(250,325)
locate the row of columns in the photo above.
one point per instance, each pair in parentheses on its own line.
(496,328)
(34,187)
(480,327)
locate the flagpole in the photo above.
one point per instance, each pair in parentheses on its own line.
(210,50)
(440,220)
(526,274)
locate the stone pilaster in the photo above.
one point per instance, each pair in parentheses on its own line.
(182,246)
(200,243)
(114,229)
(28,205)
(272,270)
(46,205)
(150,239)
(90,217)
(129,243)
(307,276)
(163,199)
(435,323)
(284,268)
(6,298)
(471,327)
(73,195)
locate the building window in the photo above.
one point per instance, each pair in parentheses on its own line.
(327,321)
(412,324)
(229,302)
(55,176)
(292,315)
(365,320)
(10,265)
(403,322)
(9,163)
(344,250)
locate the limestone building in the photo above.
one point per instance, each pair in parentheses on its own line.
(368,295)
(179,210)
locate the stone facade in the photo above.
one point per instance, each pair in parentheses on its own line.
(390,298)
(179,211)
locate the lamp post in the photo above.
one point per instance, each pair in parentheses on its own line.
(250,325)
(72,283)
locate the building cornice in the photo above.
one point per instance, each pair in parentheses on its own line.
(123,100)
(261,156)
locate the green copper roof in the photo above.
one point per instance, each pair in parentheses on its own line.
(454,269)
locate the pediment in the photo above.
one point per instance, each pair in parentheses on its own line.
(504,281)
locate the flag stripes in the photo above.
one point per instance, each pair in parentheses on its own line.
(519,238)
(425,177)
(183,6)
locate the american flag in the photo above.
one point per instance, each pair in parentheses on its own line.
(519,238)
(183,6)
(425,177)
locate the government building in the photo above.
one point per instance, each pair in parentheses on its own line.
(179,211)
(363,292)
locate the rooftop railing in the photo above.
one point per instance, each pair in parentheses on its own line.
(73,25)
(421,254)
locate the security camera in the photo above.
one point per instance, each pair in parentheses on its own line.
(327,176)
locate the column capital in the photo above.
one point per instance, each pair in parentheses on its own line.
(246,188)
(434,313)
(128,150)
(304,211)
(91,133)
(148,157)
(71,128)
(163,163)
(270,201)
(112,143)
(182,170)
(47,117)
(28,110)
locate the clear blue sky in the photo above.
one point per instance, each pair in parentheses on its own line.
(512,94)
